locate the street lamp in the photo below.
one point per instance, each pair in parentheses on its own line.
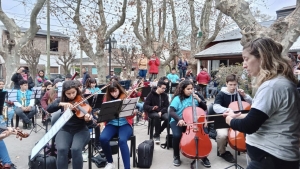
(110,44)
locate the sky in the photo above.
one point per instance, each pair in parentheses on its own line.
(20,10)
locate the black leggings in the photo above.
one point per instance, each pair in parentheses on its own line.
(152,76)
(74,140)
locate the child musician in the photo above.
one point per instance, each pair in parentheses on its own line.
(123,126)
(182,99)
(223,99)
(91,86)
(24,106)
(74,135)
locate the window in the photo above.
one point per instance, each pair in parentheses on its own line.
(54,45)
(53,69)
(94,71)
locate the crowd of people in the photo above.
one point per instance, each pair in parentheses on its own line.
(271,126)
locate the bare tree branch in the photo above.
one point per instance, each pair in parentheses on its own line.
(31,56)
(120,22)
(66,60)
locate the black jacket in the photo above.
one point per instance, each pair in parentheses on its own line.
(153,100)
(17,77)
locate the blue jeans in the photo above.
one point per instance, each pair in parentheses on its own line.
(108,133)
(139,106)
(10,115)
(182,73)
(4,153)
(177,133)
(143,73)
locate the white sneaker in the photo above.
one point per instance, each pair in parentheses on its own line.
(110,166)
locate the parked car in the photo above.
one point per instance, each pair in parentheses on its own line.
(54,76)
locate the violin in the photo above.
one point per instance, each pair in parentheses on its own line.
(236,139)
(81,108)
(195,142)
(20,134)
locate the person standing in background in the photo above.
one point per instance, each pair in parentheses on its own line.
(153,63)
(40,78)
(85,75)
(182,66)
(142,63)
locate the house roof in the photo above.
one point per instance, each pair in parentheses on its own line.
(235,34)
(41,32)
(233,48)
(287,7)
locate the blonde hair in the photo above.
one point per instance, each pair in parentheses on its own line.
(272,62)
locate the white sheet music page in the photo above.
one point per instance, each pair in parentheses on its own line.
(128,106)
(50,134)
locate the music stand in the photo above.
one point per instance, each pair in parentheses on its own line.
(145,91)
(173,87)
(220,122)
(36,94)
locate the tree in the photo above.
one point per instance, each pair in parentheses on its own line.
(284,30)
(126,57)
(92,25)
(66,60)
(11,48)
(31,56)
(151,40)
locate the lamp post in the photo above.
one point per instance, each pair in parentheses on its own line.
(110,44)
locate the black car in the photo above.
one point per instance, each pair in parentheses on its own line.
(54,76)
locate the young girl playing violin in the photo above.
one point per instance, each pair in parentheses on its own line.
(74,134)
(124,125)
(182,99)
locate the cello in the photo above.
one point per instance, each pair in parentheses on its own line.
(195,143)
(236,139)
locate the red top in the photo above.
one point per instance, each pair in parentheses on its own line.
(153,65)
(203,78)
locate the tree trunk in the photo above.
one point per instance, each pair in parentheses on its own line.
(161,71)
(12,63)
(101,65)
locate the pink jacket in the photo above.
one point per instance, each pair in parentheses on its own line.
(203,78)
(153,65)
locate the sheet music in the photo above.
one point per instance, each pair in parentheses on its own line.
(128,107)
(36,92)
(12,94)
(50,134)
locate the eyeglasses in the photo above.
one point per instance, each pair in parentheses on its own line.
(163,88)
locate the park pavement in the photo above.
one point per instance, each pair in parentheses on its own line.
(162,158)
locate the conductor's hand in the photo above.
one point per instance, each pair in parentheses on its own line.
(181,123)
(155,107)
(242,92)
(159,113)
(87,117)
(66,105)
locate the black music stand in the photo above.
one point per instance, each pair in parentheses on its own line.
(173,87)
(220,122)
(36,94)
(145,91)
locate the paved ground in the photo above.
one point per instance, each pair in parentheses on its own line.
(163,158)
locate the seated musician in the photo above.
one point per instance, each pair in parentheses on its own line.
(47,85)
(182,99)
(91,86)
(10,114)
(173,77)
(121,126)
(137,93)
(156,105)
(48,98)
(4,156)
(223,99)
(24,106)
(74,134)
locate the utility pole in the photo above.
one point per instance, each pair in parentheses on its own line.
(48,38)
